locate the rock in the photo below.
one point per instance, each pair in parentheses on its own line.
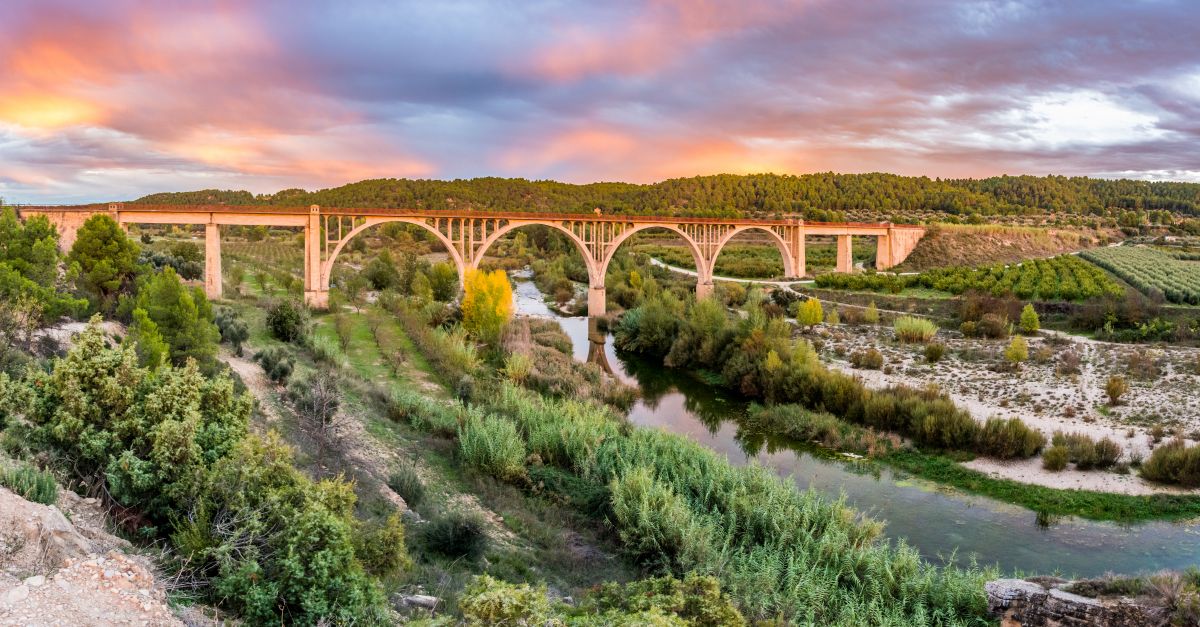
(16,595)
(422,600)
(1022,603)
(34,537)
(35,581)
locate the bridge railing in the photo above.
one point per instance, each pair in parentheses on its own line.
(448,213)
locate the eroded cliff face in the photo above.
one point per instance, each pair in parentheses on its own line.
(60,571)
(1045,601)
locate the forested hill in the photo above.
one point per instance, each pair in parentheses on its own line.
(817,196)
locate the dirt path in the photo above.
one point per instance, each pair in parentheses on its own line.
(256,382)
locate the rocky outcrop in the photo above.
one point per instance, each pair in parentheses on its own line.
(1017,602)
(60,571)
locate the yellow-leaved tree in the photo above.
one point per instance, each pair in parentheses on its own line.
(487,304)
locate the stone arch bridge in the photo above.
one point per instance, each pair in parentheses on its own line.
(467,236)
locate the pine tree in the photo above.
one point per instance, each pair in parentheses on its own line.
(106,259)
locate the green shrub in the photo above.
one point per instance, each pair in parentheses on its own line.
(1174,462)
(380,547)
(492,445)
(31,484)
(656,527)
(407,483)
(913,330)
(1009,438)
(1086,452)
(1017,351)
(934,352)
(456,534)
(870,359)
(488,601)
(287,320)
(1029,322)
(233,328)
(1055,458)
(277,363)
(326,351)
(871,314)
(969,328)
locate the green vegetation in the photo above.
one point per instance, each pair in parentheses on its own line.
(1174,462)
(1084,503)
(757,357)
(105,259)
(1061,278)
(1087,453)
(172,447)
(694,601)
(1151,271)
(913,330)
(31,484)
(31,291)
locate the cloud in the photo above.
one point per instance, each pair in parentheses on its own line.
(113,101)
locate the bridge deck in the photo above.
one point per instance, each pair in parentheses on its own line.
(429,213)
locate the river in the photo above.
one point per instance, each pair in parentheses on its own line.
(937,520)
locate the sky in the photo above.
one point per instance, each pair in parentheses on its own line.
(112,100)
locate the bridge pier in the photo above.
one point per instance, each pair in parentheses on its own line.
(213,286)
(704,289)
(316,285)
(845,254)
(597,300)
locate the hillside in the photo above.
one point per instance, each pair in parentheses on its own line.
(824,196)
(969,246)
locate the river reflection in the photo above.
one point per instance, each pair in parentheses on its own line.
(938,521)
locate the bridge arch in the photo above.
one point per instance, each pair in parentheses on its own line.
(511,226)
(789,267)
(327,265)
(597,297)
(702,269)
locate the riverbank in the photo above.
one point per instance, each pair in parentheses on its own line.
(953,516)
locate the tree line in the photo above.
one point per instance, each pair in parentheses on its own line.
(822,196)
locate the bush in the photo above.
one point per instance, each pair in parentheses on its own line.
(994,327)
(1086,452)
(233,329)
(1115,388)
(1029,322)
(1017,351)
(871,314)
(969,328)
(1055,458)
(870,359)
(325,350)
(809,313)
(287,320)
(456,534)
(407,483)
(1174,462)
(1009,439)
(934,352)
(277,363)
(913,330)
(31,484)
(380,547)
(492,445)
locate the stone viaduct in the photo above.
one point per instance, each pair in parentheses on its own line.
(467,236)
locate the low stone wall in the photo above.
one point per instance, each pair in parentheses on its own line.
(1017,602)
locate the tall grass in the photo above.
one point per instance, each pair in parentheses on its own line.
(30,483)
(492,445)
(913,330)
(680,507)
